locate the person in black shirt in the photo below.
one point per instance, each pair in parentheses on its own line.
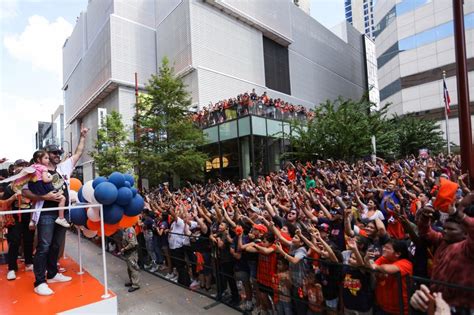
(51,236)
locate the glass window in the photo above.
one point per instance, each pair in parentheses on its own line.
(258,126)
(410,5)
(230,159)
(385,21)
(228,130)
(275,128)
(390,89)
(211,134)
(244,126)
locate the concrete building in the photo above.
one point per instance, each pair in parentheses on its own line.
(44,135)
(52,132)
(220,48)
(415,44)
(360,13)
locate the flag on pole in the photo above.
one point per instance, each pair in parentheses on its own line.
(447,100)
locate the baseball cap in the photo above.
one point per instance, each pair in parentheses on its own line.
(260,227)
(53,148)
(255,209)
(20,162)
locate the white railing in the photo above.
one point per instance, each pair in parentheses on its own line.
(106,289)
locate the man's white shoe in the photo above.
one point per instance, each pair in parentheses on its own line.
(59,277)
(29,267)
(11,275)
(63,222)
(43,289)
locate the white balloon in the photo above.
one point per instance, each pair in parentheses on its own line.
(93,214)
(88,192)
(88,233)
(73,196)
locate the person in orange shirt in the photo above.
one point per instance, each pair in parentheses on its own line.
(393,267)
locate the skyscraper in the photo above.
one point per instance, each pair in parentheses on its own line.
(415,44)
(360,13)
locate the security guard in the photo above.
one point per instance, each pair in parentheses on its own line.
(130,253)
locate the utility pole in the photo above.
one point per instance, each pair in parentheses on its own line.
(465,133)
(137,136)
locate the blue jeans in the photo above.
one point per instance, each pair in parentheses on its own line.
(157,248)
(284,308)
(50,238)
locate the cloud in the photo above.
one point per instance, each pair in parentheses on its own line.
(20,122)
(8,9)
(40,43)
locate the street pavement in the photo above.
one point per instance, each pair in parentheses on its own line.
(156,296)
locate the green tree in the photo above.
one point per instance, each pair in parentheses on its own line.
(341,130)
(412,133)
(110,150)
(169,142)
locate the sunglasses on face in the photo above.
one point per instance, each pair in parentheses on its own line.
(56,152)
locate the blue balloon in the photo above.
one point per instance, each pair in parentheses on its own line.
(98,180)
(129,178)
(106,193)
(117,179)
(124,197)
(78,216)
(135,206)
(134,191)
(127,184)
(80,196)
(113,213)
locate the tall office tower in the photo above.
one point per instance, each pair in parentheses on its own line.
(360,13)
(415,44)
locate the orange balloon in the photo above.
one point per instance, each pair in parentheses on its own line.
(94,226)
(75,184)
(128,221)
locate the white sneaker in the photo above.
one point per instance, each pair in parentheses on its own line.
(194,284)
(174,278)
(59,277)
(11,275)
(169,276)
(29,267)
(43,289)
(63,222)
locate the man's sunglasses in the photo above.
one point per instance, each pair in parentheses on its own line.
(56,152)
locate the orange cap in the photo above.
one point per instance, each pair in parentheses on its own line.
(446,194)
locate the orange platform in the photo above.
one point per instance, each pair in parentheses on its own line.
(84,291)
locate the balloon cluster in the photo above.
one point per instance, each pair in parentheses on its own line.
(120,199)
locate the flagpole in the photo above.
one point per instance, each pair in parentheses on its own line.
(446,115)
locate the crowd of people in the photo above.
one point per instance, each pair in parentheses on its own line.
(369,237)
(250,103)
(322,237)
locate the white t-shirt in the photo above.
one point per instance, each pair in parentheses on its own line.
(377,215)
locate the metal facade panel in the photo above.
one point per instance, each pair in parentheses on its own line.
(163,8)
(132,50)
(98,12)
(223,44)
(91,73)
(322,66)
(274,14)
(73,48)
(140,11)
(173,38)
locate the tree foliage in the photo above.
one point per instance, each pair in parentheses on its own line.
(168,145)
(412,134)
(343,130)
(110,150)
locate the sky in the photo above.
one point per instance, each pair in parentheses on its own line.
(32,33)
